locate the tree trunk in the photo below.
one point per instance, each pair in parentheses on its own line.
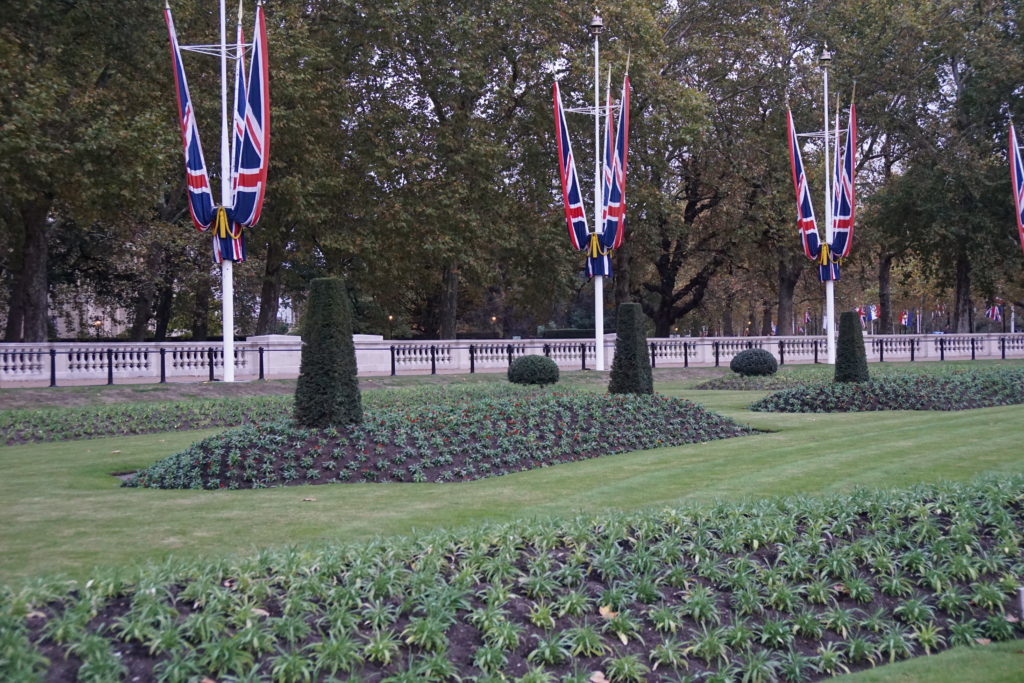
(142,312)
(766,319)
(163,310)
(270,292)
(201,311)
(789,275)
(962,318)
(727,327)
(449,301)
(27,319)
(885,325)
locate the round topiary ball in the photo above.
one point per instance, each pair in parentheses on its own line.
(754,362)
(533,370)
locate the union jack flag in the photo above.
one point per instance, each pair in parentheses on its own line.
(252,131)
(200,197)
(994,313)
(575,216)
(615,174)
(843,196)
(905,318)
(804,209)
(1017,176)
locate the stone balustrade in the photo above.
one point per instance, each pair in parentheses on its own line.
(278,356)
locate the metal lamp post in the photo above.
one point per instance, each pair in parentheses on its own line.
(596,28)
(824,60)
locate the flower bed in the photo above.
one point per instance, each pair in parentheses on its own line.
(953,391)
(797,589)
(60,424)
(470,435)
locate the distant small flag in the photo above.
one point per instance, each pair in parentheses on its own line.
(905,318)
(994,313)
(807,317)
(872,312)
(862,314)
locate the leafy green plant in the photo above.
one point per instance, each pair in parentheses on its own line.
(754,363)
(851,360)
(631,366)
(327,391)
(532,369)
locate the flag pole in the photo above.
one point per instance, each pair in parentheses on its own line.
(596,26)
(830,296)
(226,273)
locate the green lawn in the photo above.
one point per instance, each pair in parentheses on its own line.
(994,663)
(63,512)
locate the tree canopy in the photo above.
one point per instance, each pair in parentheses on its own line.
(413,155)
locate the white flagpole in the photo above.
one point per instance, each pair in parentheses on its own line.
(227,282)
(596,26)
(830,295)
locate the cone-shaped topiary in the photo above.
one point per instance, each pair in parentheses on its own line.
(851,361)
(327,393)
(631,369)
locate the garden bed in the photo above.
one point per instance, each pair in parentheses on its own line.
(457,436)
(797,589)
(951,391)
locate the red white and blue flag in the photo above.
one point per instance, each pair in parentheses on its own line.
(994,313)
(1017,176)
(905,318)
(250,152)
(575,216)
(843,197)
(615,173)
(804,208)
(200,197)
(250,171)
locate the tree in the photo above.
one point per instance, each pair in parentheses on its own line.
(327,391)
(631,367)
(851,359)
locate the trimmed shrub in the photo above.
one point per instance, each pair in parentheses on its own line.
(851,360)
(631,369)
(754,362)
(533,370)
(962,390)
(327,392)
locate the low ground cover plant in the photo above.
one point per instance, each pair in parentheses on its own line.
(459,437)
(950,391)
(795,589)
(59,424)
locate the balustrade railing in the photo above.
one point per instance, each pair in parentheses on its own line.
(278,356)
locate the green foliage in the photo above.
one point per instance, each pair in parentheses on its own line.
(754,362)
(962,390)
(321,625)
(631,368)
(85,422)
(851,359)
(533,369)
(439,436)
(327,392)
